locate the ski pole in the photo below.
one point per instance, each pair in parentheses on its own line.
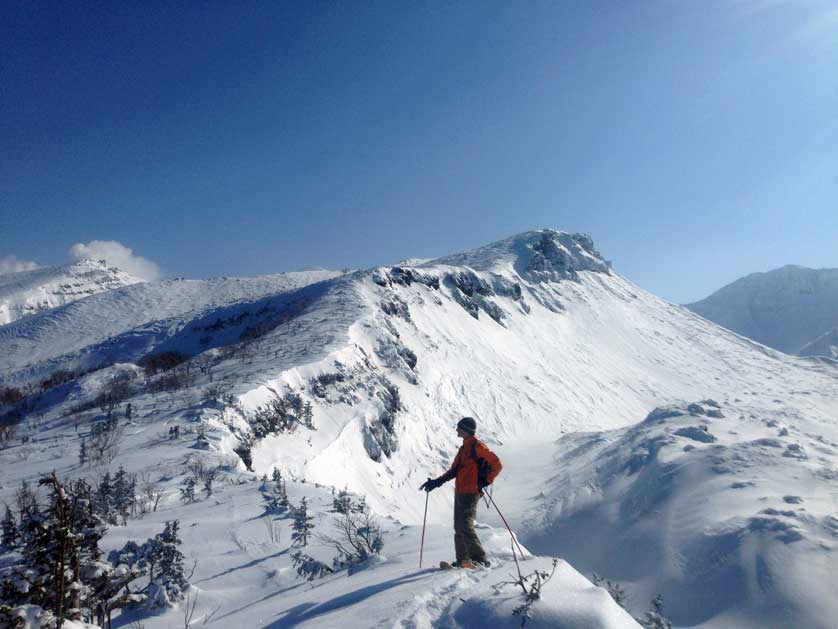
(424,519)
(508,529)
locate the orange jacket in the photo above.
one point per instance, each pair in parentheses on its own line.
(464,467)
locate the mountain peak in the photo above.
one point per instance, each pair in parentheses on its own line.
(28,292)
(538,255)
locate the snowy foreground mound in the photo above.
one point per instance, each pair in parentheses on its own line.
(355,381)
(728,510)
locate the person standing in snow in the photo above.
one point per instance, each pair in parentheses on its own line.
(474,468)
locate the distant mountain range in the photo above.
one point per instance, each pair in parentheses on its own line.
(29,292)
(793,309)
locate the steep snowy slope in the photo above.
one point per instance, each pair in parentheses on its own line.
(28,292)
(132,317)
(537,338)
(786,309)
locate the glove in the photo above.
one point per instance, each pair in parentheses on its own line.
(430,484)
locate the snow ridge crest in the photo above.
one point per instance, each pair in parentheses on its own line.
(544,255)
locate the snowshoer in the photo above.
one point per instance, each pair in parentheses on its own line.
(474,467)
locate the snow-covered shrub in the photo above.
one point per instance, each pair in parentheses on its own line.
(358,536)
(281,414)
(173,380)
(203,473)
(309,568)
(654,618)
(57,378)
(162,361)
(342,502)
(104,441)
(11,396)
(613,588)
(187,490)
(161,560)
(531,585)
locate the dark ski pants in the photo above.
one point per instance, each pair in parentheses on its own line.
(466,543)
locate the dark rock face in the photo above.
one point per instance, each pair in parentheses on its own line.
(560,256)
(380,434)
(396,307)
(473,293)
(404,276)
(469,283)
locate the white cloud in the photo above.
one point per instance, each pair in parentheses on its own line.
(116,254)
(10,264)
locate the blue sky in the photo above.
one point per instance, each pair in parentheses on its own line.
(695,141)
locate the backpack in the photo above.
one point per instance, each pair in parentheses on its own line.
(483,468)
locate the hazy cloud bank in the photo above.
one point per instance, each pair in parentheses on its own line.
(10,264)
(118,255)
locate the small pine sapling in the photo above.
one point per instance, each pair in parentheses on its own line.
(10,533)
(342,503)
(187,490)
(655,618)
(301,529)
(82,453)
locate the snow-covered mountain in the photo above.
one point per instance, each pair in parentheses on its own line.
(28,292)
(722,499)
(787,308)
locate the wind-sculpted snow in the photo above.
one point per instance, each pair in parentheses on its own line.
(705,508)
(27,293)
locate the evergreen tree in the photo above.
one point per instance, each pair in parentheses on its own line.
(168,580)
(59,549)
(343,502)
(26,500)
(187,490)
(282,498)
(129,411)
(123,496)
(308,416)
(9,527)
(655,618)
(82,453)
(105,499)
(302,525)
